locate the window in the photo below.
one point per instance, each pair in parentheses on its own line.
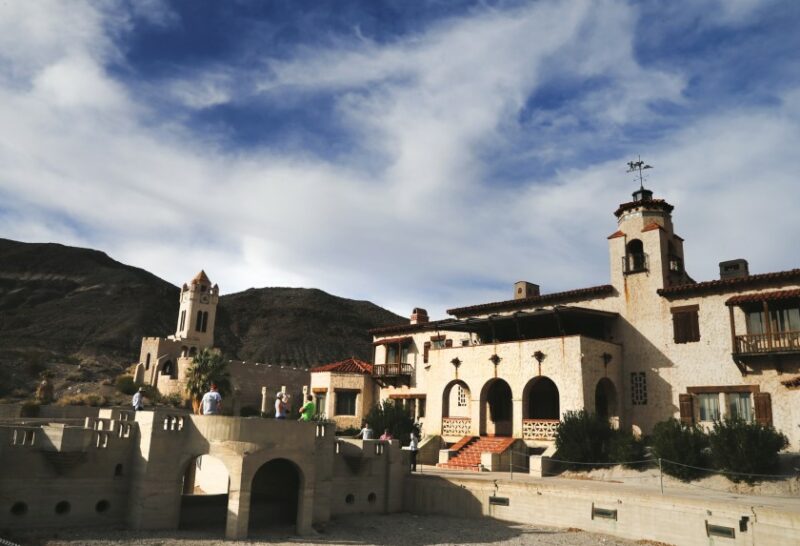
(420,407)
(147,362)
(708,404)
(739,406)
(685,325)
(205,322)
(392,354)
(183,320)
(782,319)
(346,402)
(426,351)
(199,322)
(638,389)
(462,397)
(438,342)
(320,403)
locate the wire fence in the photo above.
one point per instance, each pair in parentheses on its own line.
(655,471)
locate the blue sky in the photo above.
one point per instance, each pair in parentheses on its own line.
(409,153)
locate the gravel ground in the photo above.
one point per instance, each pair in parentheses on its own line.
(393,530)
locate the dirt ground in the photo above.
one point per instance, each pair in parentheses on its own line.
(361,530)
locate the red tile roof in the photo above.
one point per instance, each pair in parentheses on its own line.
(651,226)
(736,283)
(201,278)
(556,297)
(351,365)
(764,296)
(616,234)
(651,203)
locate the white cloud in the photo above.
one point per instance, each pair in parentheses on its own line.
(84,164)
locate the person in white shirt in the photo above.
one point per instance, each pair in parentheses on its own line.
(365,433)
(280,406)
(211,404)
(138,400)
(412,447)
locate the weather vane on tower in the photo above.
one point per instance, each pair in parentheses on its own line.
(637,167)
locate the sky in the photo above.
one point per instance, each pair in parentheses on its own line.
(410,153)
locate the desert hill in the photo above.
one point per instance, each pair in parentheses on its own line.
(81,314)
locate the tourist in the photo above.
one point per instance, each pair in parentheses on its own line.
(280,406)
(386,435)
(138,400)
(412,447)
(366,432)
(308,409)
(211,404)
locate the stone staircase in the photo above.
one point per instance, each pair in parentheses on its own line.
(469,449)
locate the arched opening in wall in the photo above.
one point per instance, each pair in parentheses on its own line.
(147,362)
(605,400)
(496,409)
(635,258)
(456,409)
(540,399)
(166,369)
(204,494)
(275,495)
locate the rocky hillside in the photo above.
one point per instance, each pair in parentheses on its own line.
(81,315)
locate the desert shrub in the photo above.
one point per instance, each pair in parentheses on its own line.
(623,447)
(94,400)
(583,437)
(675,442)
(175,400)
(125,384)
(739,446)
(30,408)
(106,382)
(349,431)
(392,416)
(75,377)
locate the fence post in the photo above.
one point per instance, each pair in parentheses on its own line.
(661,475)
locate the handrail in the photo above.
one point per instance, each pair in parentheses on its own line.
(760,343)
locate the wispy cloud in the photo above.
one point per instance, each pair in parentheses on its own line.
(477,150)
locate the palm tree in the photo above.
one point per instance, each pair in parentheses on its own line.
(208,367)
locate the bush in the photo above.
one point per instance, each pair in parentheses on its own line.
(739,446)
(94,400)
(625,447)
(125,385)
(175,400)
(349,431)
(583,437)
(392,416)
(683,444)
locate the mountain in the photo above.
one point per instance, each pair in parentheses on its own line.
(81,315)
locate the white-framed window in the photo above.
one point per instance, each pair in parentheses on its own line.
(638,389)
(708,404)
(462,396)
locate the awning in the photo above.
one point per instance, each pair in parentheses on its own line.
(764,296)
(393,340)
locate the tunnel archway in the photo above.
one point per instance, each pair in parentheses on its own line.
(204,494)
(275,495)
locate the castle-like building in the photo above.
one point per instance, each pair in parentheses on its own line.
(650,344)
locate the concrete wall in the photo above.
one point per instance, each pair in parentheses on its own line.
(640,515)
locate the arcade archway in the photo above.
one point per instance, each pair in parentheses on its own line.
(540,399)
(275,495)
(496,409)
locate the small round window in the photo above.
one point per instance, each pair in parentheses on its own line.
(62,508)
(19,509)
(350,498)
(102,506)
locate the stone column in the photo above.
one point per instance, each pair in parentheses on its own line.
(264,402)
(238,503)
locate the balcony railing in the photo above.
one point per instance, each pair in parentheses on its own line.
(675,264)
(539,429)
(634,263)
(392,370)
(775,342)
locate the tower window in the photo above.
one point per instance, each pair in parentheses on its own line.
(183,320)
(147,362)
(198,325)
(685,324)
(205,321)
(635,260)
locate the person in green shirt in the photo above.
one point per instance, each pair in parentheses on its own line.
(308,409)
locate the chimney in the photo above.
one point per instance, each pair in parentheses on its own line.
(733,269)
(523,289)
(419,315)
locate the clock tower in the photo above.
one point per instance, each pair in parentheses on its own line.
(198,308)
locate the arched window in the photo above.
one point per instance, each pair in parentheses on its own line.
(147,362)
(198,325)
(635,259)
(205,321)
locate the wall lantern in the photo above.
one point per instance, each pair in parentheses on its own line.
(494,359)
(455,362)
(539,356)
(606,359)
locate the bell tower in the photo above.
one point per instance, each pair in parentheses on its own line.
(645,252)
(198,309)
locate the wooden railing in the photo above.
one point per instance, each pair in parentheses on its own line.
(768,343)
(392,370)
(539,429)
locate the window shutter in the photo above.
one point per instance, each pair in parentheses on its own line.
(677,333)
(695,322)
(686,402)
(763,403)
(425,351)
(448,342)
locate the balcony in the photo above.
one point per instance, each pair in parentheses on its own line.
(393,374)
(634,263)
(768,344)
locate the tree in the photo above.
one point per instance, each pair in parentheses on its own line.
(392,416)
(207,368)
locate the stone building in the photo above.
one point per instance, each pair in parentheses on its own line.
(650,344)
(344,391)
(164,361)
(164,469)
